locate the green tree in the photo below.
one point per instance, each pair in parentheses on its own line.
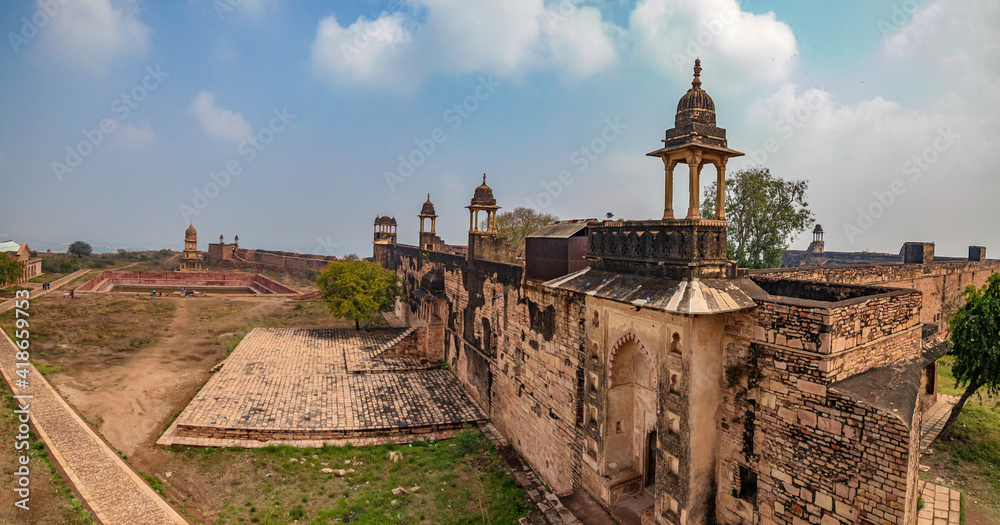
(10,270)
(357,289)
(79,249)
(975,337)
(515,225)
(765,213)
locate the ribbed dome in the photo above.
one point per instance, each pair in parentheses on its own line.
(695,105)
(818,229)
(190,232)
(384,220)
(696,98)
(428,208)
(484,195)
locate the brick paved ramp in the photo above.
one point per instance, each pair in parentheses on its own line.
(112,491)
(934,420)
(303,387)
(942,506)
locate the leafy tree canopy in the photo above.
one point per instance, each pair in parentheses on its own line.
(10,270)
(975,337)
(518,223)
(357,289)
(79,249)
(765,213)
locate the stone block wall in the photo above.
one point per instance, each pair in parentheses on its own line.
(940,283)
(296,263)
(816,455)
(846,337)
(515,347)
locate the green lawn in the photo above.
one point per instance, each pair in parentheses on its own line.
(10,291)
(460,481)
(971,457)
(46,278)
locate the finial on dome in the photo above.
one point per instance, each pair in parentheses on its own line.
(484,178)
(696,83)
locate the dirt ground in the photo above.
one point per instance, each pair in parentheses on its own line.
(129,364)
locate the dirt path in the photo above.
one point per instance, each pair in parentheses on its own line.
(132,400)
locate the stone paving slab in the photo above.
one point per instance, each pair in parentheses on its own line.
(112,491)
(287,384)
(942,505)
(934,420)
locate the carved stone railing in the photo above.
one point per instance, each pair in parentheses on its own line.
(655,246)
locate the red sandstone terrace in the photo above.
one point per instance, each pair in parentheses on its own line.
(202,282)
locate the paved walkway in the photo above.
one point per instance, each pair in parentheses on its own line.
(934,420)
(114,493)
(941,506)
(321,385)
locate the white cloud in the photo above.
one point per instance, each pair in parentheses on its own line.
(219,122)
(366,52)
(509,39)
(670,34)
(91,34)
(130,136)
(514,38)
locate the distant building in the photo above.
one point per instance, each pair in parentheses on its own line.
(191,259)
(21,253)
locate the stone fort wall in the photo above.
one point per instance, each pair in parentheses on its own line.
(940,283)
(800,438)
(515,347)
(305,264)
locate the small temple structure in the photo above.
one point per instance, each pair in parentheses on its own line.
(191,259)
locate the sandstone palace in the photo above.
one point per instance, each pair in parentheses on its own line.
(634,361)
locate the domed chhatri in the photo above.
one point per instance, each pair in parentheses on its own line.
(191,233)
(483,200)
(484,195)
(697,141)
(385,229)
(427,212)
(428,209)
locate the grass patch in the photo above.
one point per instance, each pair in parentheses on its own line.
(46,278)
(46,369)
(462,480)
(10,291)
(63,331)
(970,457)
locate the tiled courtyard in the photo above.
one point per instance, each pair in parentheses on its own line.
(305,387)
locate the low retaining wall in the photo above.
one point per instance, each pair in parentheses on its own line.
(272,434)
(103,281)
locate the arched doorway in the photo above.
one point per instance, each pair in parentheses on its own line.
(631,413)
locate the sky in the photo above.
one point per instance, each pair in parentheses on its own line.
(293,125)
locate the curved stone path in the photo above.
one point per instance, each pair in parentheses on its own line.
(111,489)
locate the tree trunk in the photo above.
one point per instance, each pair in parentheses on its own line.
(950,424)
(357,325)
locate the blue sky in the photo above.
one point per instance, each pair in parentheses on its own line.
(123,116)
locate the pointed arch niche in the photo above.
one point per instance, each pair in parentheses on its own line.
(631,412)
